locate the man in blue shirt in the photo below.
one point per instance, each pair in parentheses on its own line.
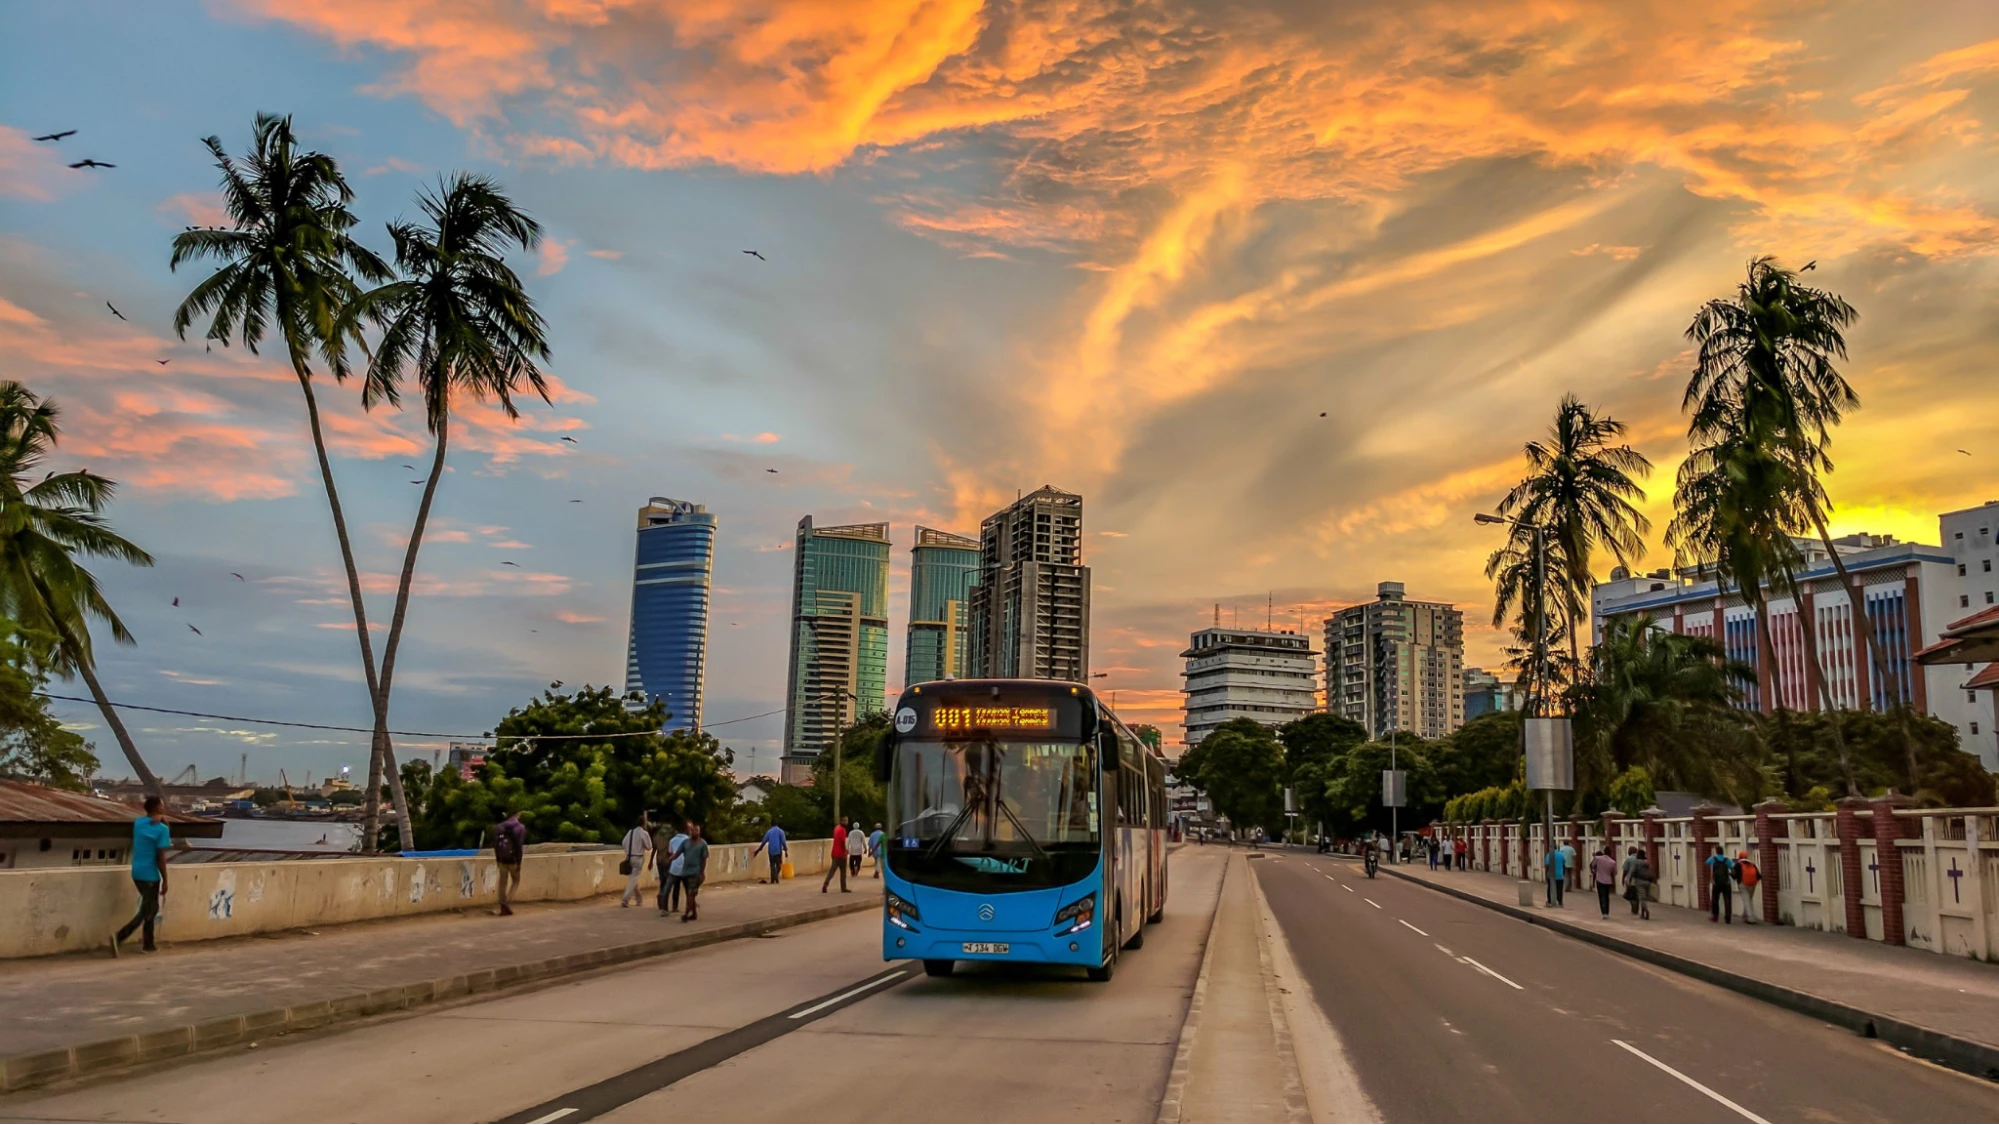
(150,840)
(774,843)
(1558,874)
(875,847)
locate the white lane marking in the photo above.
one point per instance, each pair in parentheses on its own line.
(1747,1116)
(1346,888)
(1372,903)
(1412,927)
(1445,952)
(801,1014)
(556,1116)
(1489,972)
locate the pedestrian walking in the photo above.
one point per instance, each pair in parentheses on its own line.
(510,843)
(875,847)
(693,868)
(151,840)
(1450,850)
(1569,866)
(839,858)
(857,846)
(638,845)
(1630,869)
(1720,898)
(1557,863)
(1430,852)
(1748,875)
(775,843)
(669,890)
(1603,871)
(1640,887)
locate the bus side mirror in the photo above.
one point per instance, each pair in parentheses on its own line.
(1108,750)
(884,757)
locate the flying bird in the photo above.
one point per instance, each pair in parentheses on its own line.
(207,348)
(238,577)
(570,440)
(197,632)
(770,470)
(88,163)
(1966,452)
(576,501)
(416,482)
(411,468)
(115,312)
(758,256)
(57,136)
(161,362)
(515,565)
(176,601)
(1808,265)
(1322,414)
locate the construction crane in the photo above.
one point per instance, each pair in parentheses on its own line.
(184,777)
(291,802)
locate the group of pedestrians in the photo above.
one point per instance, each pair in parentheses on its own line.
(1724,876)
(851,845)
(1447,854)
(680,856)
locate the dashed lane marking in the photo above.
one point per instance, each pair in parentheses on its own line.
(556,1116)
(1490,973)
(1372,903)
(1746,1115)
(832,1000)
(1411,927)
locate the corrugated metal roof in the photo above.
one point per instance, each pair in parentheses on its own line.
(23,802)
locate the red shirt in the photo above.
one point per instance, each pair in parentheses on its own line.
(839,841)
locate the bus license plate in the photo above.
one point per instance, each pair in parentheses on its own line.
(987,947)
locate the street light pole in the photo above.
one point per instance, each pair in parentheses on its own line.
(1537,693)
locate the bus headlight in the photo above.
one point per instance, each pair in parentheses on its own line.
(901,912)
(1076,916)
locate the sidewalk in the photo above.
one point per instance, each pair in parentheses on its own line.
(79,1013)
(1831,976)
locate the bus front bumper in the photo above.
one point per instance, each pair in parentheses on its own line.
(1035,947)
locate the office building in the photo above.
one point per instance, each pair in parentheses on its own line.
(941,569)
(1396,664)
(1972,538)
(1247,674)
(668,644)
(1912,593)
(1487,692)
(839,637)
(1030,611)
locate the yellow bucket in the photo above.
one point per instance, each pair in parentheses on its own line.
(785,872)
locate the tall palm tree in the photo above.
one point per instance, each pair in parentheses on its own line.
(43,527)
(1579,487)
(1651,699)
(288,266)
(1768,366)
(1517,597)
(458,322)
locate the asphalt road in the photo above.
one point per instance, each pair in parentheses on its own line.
(1451,1012)
(806,1025)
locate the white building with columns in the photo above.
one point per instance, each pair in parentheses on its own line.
(1247,674)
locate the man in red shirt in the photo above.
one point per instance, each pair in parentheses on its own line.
(839,862)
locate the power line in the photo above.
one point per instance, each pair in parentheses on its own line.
(371,730)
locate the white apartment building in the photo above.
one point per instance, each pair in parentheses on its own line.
(1247,674)
(1971,537)
(1396,664)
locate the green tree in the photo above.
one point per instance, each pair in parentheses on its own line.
(1631,792)
(34,746)
(44,526)
(580,767)
(1150,735)
(1578,487)
(459,323)
(1660,701)
(861,796)
(288,266)
(1318,737)
(1243,774)
(1356,793)
(1483,753)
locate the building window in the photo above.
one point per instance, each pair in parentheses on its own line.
(1974,726)
(1960,570)
(1971,697)
(1963,601)
(1986,566)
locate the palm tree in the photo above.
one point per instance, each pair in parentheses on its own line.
(1517,590)
(286,264)
(1580,489)
(459,322)
(1654,698)
(43,527)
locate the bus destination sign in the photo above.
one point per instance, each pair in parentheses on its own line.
(969,717)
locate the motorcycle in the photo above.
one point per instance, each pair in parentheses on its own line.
(1370,861)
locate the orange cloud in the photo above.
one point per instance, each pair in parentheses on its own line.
(32,170)
(553,254)
(194,208)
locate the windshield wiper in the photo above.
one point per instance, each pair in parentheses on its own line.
(1022,829)
(937,845)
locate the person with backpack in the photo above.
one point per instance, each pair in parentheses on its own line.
(510,841)
(1640,886)
(1630,870)
(1748,875)
(1720,899)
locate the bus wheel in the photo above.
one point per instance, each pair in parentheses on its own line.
(940,968)
(1158,916)
(1137,940)
(1101,973)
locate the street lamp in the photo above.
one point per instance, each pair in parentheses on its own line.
(1537,697)
(838,741)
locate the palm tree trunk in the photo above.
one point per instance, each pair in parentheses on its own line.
(372,823)
(80,656)
(1767,655)
(395,637)
(1808,632)
(1874,653)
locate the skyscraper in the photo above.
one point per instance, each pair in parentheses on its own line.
(1394,664)
(839,637)
(1030,612)
(941,569)
(669,632)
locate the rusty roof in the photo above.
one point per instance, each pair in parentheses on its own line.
(23,802)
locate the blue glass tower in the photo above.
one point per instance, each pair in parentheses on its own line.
(669,638)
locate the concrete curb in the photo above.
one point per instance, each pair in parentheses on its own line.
(23,1072)
(1980,1060)
(1183,1048)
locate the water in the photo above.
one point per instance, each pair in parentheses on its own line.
(287,835)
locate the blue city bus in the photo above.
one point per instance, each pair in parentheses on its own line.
(1026,824)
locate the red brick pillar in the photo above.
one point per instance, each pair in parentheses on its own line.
(1485,844)
(1767,856)
(1653,832)
(1701,813)
(1610,819)
(1846,825)
(1582,854)
(1888,857)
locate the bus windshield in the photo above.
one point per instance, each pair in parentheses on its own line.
(1021,812)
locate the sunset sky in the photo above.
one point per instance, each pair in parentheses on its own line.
(1131,249)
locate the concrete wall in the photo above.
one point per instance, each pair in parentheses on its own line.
(59,910)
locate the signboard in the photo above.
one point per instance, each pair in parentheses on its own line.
(953,718)
(1290,802)
(1394,788)
(1551,754)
